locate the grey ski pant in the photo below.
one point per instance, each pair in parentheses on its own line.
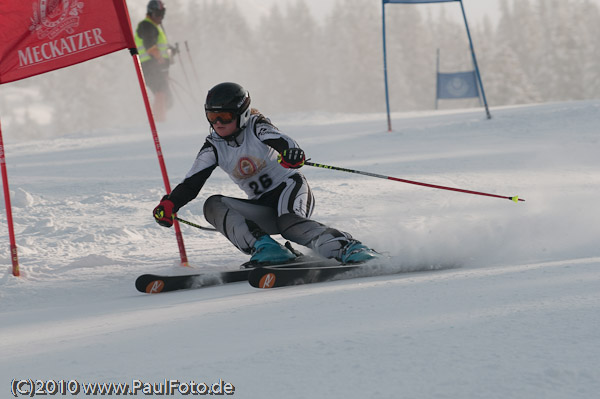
(285,210)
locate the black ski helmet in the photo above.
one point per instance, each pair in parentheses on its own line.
(229,97)
(155,6)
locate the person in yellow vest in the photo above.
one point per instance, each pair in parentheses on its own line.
(156,57)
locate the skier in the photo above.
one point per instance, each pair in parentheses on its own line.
(264,163)
(155,56)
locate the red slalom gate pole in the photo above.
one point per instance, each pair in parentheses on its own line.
(460,190)
(161,160)
(9,217)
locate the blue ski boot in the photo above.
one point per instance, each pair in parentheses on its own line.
(356,252)
(267,251)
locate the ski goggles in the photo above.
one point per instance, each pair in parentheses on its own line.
(225,117)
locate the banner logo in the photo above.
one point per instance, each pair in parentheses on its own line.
(51,17)
(44,35)
(457,87)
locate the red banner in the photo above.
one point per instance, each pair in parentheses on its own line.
(43,35)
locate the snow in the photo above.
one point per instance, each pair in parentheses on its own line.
(496,299)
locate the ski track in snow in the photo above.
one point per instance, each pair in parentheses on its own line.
(493,299)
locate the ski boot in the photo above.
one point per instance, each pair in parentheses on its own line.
(267,251)
(356,252)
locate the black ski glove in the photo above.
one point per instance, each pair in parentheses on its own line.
(292,158)
(163,213)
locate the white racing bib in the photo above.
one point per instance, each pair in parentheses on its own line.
(249,162)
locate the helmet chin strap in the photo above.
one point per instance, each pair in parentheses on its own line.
(233,136)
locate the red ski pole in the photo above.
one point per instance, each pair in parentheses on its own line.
(318,165)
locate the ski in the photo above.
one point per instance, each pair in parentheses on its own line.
(273,277)
(154,284)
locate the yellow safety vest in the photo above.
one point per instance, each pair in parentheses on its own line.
(162,44)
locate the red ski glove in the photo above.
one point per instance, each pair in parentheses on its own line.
(292,158)
(163,213)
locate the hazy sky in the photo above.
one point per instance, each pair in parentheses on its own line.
(474,9)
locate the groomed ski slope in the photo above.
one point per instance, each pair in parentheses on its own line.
(518,318)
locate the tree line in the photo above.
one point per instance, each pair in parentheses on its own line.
(293,61)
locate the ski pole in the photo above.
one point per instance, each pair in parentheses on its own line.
(175,86)
(185,75)
(318,165)
(195,225)
(187,49)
